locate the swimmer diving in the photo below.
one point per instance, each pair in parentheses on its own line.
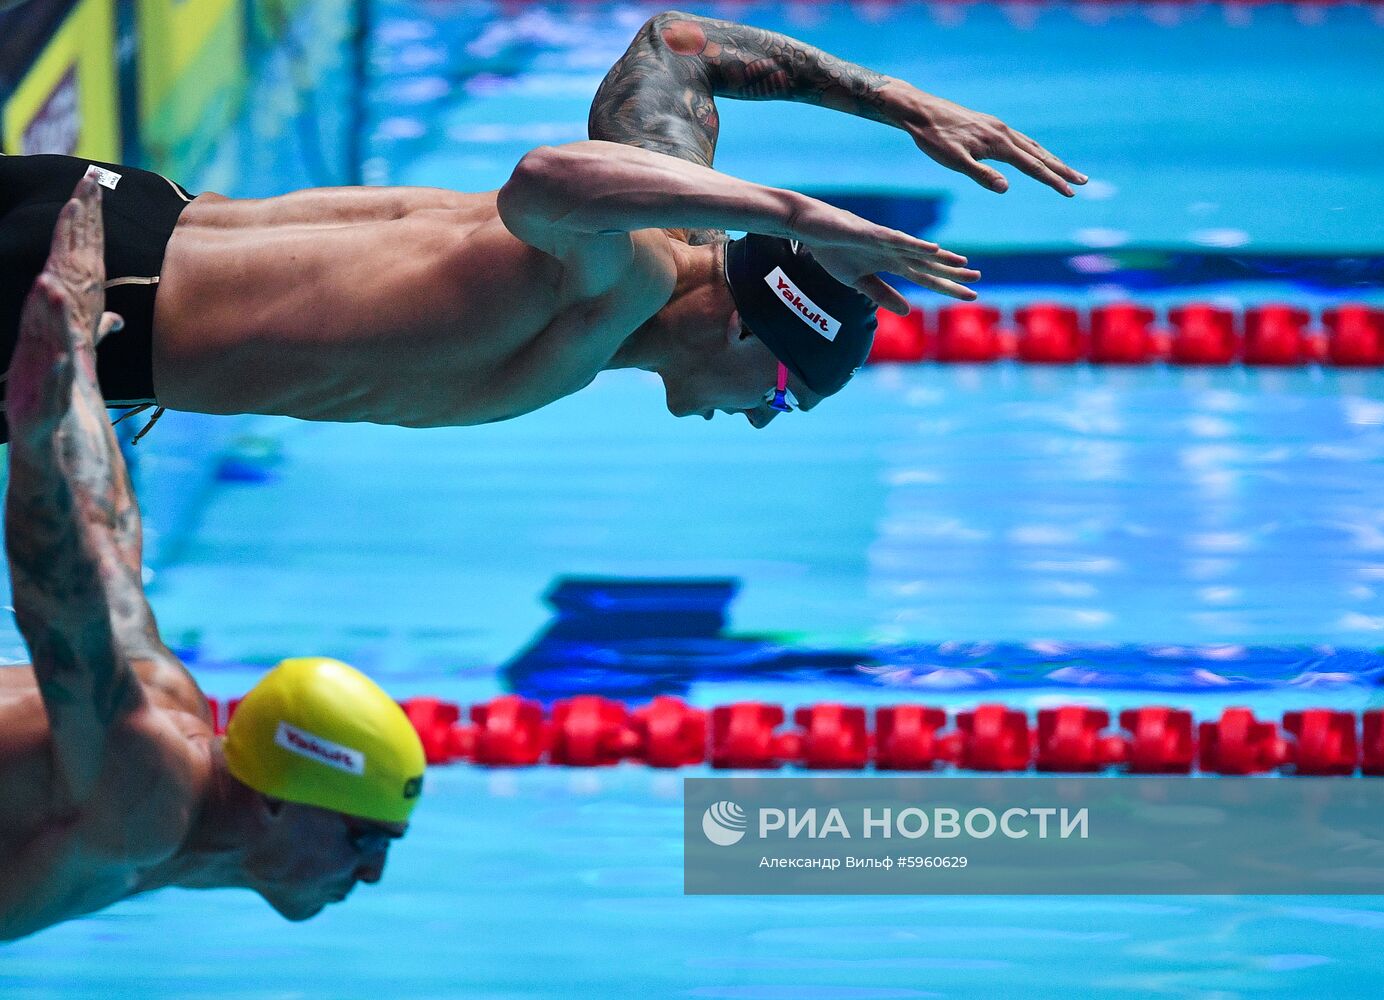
(425,307)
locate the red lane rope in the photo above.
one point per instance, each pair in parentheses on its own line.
(591,731)
(1126,333)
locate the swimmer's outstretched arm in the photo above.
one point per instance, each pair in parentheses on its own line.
(558,195)
(661,95)
(72,528)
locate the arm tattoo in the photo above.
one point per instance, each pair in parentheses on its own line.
(73,537)
(660,93)
(72,534)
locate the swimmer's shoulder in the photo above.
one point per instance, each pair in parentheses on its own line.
(157,768)
(625,282)
(158,771)
(641,265)
(120,840)
(161,753)
(168,684)
(594,263)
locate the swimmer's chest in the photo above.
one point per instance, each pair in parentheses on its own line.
(540,329)
(504,294)
(594,314)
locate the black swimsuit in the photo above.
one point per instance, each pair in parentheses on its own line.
(140,210)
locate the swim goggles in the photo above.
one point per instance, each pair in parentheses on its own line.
(781,397)
(370,840)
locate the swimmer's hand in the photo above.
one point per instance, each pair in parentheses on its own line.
(78,264)
(960,138)
(64,316)
(855,251)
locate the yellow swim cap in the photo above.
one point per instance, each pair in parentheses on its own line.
(320,733)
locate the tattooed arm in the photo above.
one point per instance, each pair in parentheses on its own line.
(661,95)
(72,529)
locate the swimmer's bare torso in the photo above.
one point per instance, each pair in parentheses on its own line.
(412,306)
(427,307)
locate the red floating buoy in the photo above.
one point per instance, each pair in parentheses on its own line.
(1203,335)
(1238,743)
(1121,334)
(906,738)
(590,731)
(994,738)
(1372,744)
(1049,334)
(1355,336)
(1276,335)
(433,720)
(671,733)
(1070,738)
(833,737)
(1160,740)
(507,731)
(968,332)
(899,338)
(1326,742)
(742,735)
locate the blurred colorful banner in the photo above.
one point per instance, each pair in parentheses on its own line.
(66,101)
(191,72)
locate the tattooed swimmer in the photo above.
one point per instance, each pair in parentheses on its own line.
(112,782)
(427,307)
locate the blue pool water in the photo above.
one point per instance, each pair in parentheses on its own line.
(1210,511)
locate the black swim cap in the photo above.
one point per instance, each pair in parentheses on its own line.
(818,327)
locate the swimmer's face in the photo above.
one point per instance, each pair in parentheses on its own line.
(314,857)
(735,375)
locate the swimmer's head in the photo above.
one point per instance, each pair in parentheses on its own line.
(764,302)
(820,328)
(338,768)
